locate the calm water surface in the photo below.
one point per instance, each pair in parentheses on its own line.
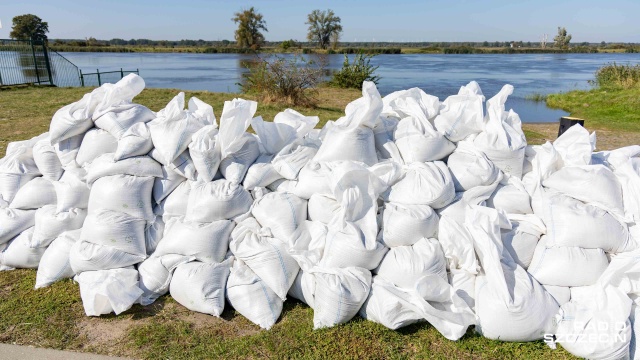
(439,75)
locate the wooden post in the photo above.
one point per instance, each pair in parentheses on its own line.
(121,73)
(98,72)
(566,122)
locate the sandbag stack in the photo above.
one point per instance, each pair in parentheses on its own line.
(405,210)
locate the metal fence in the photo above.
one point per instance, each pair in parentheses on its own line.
(98,78)
(31,62)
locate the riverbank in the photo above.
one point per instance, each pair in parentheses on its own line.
(340,50)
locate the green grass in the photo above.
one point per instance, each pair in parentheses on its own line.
(537,97)
(611,109)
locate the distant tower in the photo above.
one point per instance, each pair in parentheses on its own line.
(543,41)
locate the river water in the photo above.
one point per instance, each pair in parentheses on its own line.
(439,75)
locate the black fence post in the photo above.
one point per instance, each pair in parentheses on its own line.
(47,63)
(81,78)
(121,73)
(35,62)
(98,72)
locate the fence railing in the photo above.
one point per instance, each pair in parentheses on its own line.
(98,78)
(32,62)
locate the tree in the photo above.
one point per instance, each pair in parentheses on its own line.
(324,26)
(28,27)
(562,39)
(250,23)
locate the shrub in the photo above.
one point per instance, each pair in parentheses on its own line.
(352,75)
(290,81)
(617,76)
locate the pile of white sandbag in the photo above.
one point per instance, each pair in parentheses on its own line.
(405,210)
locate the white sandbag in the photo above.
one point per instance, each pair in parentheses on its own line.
(116,113)
(14,222)
(634,351)
(281,212)
(579,182)
(411,102)
(86,256)
(155,275)
(265,255)
(404,225)
(71,191)
(67,150)
(47,160)
(313,178)
(405,265)
(286,127)
(562,294)
(462,114)
(389,305)
(217,200)
(206,242)
(567,265)
(322,208)
(124,193)
(20,254)
(457,245)
(503,140)
(115,229)
(235,165)
(175,205)
(261,173)
(35,194)
(153,233)
(423,184)
(522,239)
(304,288)
(510,304)
(183,165)
(201,286)
(575,146)
(50,224)
(75,118)
(290,160)
(573,223)
(54,264)
(107,291)
(511,197)
(470,168)
(135,141)
(105,165)
(163,186)
(339,294)
(205,152)
(171,132)
(464,286)
(95,143)
(251,297)
(351,137)
(10,184)
(352,233)
(386,148)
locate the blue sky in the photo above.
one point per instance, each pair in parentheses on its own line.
(370,20)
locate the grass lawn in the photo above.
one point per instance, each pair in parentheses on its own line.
(53,317)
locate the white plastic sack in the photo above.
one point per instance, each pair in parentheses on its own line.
(54,264)
(286,127)
(47,160)
(405,265)
(217,200)
(423,184)
(175,205)
(261,173)
(235,165)
(511,197)
(522,239)
(71,191)
(153,233)
(105,165)
(135,141)
(20,254)
(35,194)
(163,186)
(124,193)
(404,225)
(201,286)
(50,224)
(461,115)
(290,160)
(238,149)
(86,256)
(14,222)
(322,208)
(251,297)
(206,242)
(281,212)
(95,143)
(75,118)
(106,291)
(67,150)
(155,275)
(470,168)
(205,152)
(115,229)
(265,255)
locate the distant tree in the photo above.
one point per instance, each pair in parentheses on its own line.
(603,44)
(288,44)
(528,43)
(485,44)
(226,42)
(496,44)
(29,26)
(323,25)
(91,41)
(250,23)
(562,39)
